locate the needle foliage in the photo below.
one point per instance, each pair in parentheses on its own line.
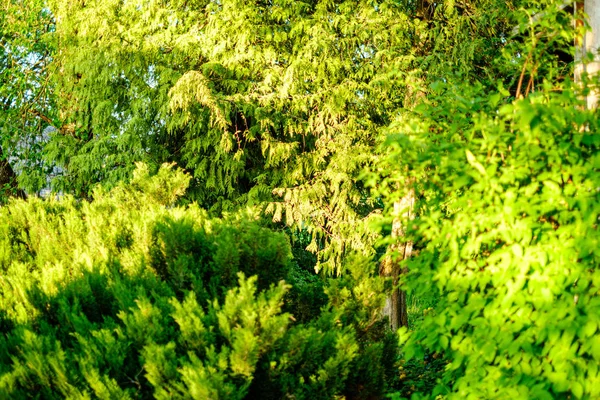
(131,297)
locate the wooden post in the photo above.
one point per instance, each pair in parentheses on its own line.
(590,43)
(395,305)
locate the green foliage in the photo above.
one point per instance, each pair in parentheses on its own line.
(26,94)
(506,177)
(129,296)
(277,104)
(344,351)
(307,295)
(121,291)
(508,227)
(419,376)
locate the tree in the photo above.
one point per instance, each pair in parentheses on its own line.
(250,98)
(131,296)
(276,102)
(26,95)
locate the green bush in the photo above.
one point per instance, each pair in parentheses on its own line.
(507,218)
(131,296)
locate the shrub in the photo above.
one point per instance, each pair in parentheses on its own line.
(507,220)
(132,296)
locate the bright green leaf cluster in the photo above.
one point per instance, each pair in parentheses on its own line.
(507,225)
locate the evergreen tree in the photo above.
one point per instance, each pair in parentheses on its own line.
(279,102)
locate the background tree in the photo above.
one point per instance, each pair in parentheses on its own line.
(588,45)
(277,102)
(26,95)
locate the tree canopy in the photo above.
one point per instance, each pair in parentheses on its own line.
(278,104)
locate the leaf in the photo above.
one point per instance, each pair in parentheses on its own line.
(553,186)
(444,342)
(577,389)
(589,329)
(473,161)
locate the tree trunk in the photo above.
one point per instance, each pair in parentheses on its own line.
(8,178)
(590,43)
(395,305)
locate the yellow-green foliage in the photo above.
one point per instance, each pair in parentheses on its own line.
(131,296)
(507,182)
(278,103)
(93,291)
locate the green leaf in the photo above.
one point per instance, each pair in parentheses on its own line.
(473,161)
(577,389)
(444,342)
